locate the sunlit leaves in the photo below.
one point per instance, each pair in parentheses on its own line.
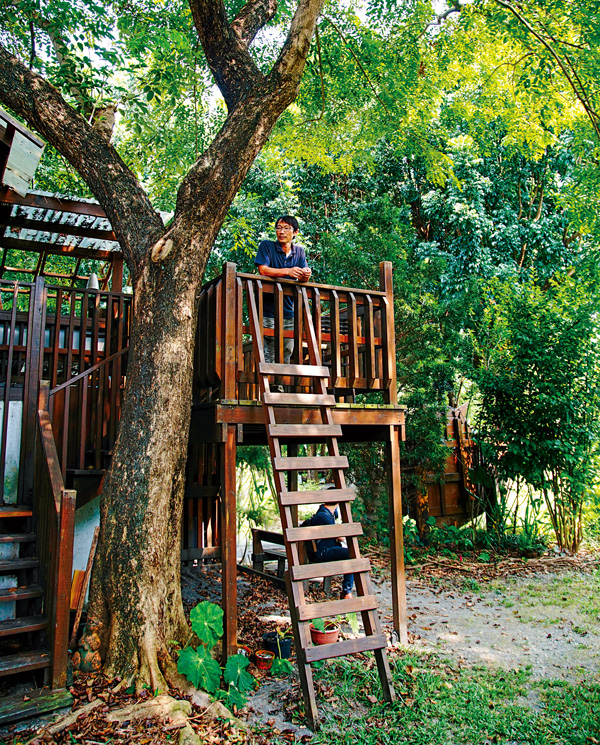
(200,668)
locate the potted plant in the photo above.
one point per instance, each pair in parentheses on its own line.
(264,659)
(324,632)
(245,650)
(279,642)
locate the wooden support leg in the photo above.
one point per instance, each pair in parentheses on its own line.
(306,678)
(228,542)
(396,536)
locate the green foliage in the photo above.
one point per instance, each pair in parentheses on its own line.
(236,673)
(281,667)
(207,623)
(202,670)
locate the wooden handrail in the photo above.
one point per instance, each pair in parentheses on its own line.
(89,371)
(55,528)
(292,283)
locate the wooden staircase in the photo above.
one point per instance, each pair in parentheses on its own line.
(283,435)
(22,634)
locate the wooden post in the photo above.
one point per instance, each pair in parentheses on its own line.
(396,535)
(64,568)
(228,541)
(389,350)
(116,284)
(35,357)
(229,317)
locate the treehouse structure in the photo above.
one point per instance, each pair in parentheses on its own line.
(63,367)
(64,338)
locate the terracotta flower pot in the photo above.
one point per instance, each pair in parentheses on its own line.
(329,636)
(243,649)
(264,659)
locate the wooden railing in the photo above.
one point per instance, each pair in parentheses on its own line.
(75,338)
(54,510)
(85,412)
(354,329)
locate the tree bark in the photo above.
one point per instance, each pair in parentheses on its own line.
(135,589)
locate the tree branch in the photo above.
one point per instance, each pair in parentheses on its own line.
(252,17)
(115,187)
(233,69)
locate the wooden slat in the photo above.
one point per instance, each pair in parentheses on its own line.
(318,532)
(351,646)
(10,510)
(298,399)
(303,371)
(17,537)
(330,569)
(22,625)
(9,565)
(17,663)
(313,463)
(19,593)
(321,496)
(305,431)
(337,608)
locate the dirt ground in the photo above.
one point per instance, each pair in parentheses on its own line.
(543,614)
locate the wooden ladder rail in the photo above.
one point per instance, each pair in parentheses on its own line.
(301,612)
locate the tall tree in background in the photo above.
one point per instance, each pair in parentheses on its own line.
(136,583)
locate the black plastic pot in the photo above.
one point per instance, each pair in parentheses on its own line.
(274,643)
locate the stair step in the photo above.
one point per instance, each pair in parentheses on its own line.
(311,463)
(298,399)
(320,496)
(305,430)
(13,708)
(329,569)
(336,607)
(351,646)
(22,625)
(318,532)
(17,537)
(20,593)
(15,510)
(13,565)
(303,371)
(18,663)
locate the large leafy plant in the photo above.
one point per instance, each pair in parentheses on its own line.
(202,670)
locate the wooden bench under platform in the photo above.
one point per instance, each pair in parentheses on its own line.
(262,553)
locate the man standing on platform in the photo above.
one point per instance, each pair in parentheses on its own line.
(286,260)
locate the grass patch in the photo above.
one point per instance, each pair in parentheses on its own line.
(443,703)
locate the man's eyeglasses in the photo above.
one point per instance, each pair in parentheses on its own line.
(284,227)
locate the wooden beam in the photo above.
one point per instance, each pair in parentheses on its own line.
(228,541)
(398,579)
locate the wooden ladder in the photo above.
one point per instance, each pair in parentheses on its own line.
(275,407)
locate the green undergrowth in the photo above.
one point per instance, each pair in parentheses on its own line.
(443,703)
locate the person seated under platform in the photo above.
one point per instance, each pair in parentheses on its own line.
(332,549)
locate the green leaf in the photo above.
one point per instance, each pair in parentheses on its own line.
(232,697)
(281,667)
(235,672)
(207,623)
(319,624)
(199,668)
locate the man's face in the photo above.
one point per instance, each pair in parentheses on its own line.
(284,232)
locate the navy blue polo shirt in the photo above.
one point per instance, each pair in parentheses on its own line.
(271,254)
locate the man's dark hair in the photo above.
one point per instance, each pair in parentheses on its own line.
(288,220)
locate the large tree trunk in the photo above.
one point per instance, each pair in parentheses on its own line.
(136,592)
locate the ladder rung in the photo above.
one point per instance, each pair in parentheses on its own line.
(298,399)
(330,569)
(336,607)
(317,532)
(303,371)
(305,430)
(313,463)
(351,646)
(321,496)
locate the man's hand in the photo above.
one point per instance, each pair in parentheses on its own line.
(302,274)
